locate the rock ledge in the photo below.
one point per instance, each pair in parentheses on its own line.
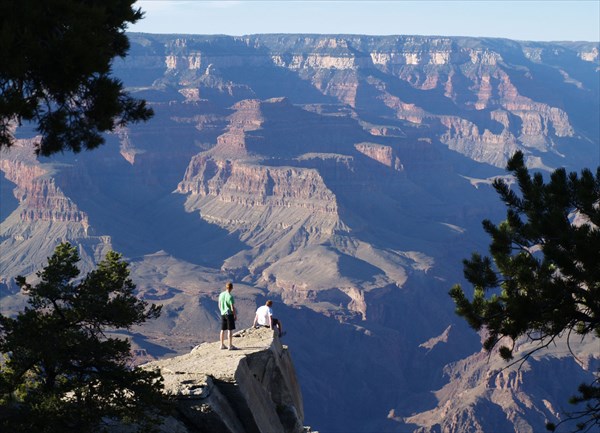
(252,389)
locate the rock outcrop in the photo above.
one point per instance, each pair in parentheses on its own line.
(39,197)
(513,396)
(250,390)
(43,216)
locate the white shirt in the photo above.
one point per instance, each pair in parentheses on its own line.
(263,313)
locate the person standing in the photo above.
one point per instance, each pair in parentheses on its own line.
(264,317)
(228,316)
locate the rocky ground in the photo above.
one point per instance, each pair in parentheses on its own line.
(250,389)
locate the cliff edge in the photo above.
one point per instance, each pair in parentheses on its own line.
(250,390)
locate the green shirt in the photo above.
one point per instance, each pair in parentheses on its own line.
(226,302)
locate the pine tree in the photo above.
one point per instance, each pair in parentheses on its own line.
(62,371)
(56,71)
(543,277)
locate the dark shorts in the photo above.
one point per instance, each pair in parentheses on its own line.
(227,322)
(275,322)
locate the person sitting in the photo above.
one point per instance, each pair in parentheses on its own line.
(264,317)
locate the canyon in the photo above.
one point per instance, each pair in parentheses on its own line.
(343,176)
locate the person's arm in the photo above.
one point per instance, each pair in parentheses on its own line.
(271,321)
(255,320)
(234,312)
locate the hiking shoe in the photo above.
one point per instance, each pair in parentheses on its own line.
(223,347)
(233,348)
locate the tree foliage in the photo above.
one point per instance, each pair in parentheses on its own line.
(543,277)
(62,372)
(56,71)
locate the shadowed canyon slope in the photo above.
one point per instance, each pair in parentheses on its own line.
(343,176)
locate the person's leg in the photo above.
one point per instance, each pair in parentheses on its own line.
(230,329)
(277,324)
(222,334)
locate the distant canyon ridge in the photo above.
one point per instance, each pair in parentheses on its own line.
(343,176)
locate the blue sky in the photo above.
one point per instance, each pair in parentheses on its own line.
(546,20)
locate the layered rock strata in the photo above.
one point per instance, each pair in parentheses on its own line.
(453,83)
(518,397)
(249,184)
(383,154)
(44,216)
(345,176)
(39,197)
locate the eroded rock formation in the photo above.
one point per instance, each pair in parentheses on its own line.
(252,389)
(39,197)
(345,177)
(421,78)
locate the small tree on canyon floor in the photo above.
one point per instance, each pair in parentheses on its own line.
(543,278)
(61,371)
(56,71)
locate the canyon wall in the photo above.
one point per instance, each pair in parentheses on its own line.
(344,177)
